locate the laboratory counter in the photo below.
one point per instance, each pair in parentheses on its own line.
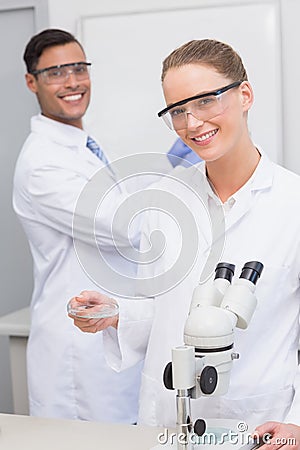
(33,433)
(16,327)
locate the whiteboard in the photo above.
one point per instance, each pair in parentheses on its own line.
(127,51)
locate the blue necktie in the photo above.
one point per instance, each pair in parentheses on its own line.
(94,147)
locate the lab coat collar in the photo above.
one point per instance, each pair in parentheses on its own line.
(68,136)
(243,199)
(262,178)
(61,133)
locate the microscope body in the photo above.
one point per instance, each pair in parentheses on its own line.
(202,366)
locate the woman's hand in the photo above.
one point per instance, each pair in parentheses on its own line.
(92,303)
(283,435)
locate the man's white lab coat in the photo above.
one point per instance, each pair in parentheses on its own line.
(67,373)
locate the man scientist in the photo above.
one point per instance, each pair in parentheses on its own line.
(67,373)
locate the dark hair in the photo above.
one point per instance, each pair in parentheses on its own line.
(45,39)
(210,52)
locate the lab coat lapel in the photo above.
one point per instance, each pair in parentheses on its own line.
(261,180)
(89,158)
(221,221)
(240,208)
(199,183)
(210,220)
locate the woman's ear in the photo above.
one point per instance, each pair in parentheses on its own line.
(31,82)
(247,95)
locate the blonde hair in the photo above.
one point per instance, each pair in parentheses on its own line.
(218,55)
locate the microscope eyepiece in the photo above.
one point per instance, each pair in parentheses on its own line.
(252,271)
(225,270)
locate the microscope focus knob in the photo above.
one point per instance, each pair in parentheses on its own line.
(200,427)
(168,376)
(208,380)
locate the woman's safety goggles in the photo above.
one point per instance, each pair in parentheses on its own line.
(203,107)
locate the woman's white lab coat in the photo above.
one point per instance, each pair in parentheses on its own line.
(262,223)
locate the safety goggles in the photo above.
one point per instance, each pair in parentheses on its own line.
(203,107)
(59,74)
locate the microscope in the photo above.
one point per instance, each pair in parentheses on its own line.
(201,367)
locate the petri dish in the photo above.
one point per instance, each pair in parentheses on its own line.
(92,310)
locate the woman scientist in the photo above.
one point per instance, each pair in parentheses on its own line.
(208,97)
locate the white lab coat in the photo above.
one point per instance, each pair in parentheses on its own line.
(67,373)
(262,223)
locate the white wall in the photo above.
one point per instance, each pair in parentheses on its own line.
(69,13)
(127,66)
(291,65)
(66,13)
(26,17)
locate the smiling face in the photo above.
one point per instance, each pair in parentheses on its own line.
(67,102)
(217,136)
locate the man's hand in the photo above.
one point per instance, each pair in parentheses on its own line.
(91,303)
(283,435)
